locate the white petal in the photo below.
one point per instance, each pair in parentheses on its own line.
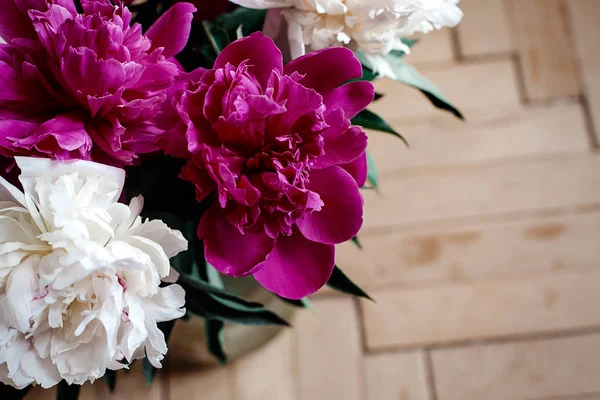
(42,370)
(8,192)
(160,261)
(262,4)
(167,304)
(296,38)
(171,241)
(21,289)
(172,277)
(33,168)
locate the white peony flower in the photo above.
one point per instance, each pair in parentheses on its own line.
(80,275)
(374,26)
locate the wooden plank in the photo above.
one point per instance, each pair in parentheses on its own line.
(468,86)
(509,132)
(479,310)
(484,28)
(542,39)
(467,251)
(585,23)
(397,376)
(525,370)
(484,190)
(434,47)
(329,351)
(132,384)
(191,382)
(594,396)
(268,373)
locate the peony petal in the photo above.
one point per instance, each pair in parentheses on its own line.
(341,144)
(297,267)
(326,69)
(171,241)
(227,249)
(59,137)
(340,219)
(262,4)
(167,305)
(154,250)
(21,289)
(33,168)
(352,97)
(14,23)
(87,75)
(358,169)
(42,370)
(172,30)
(295,39)
(261,52)
(10,193)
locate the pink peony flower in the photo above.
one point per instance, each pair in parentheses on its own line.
(85,86)
(276,147)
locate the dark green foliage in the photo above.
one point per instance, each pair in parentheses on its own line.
(10,393)
(340,282)
(369,120)
(67,392)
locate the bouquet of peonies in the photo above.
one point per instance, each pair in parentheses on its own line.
(148,148)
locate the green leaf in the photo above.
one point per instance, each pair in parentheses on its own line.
(377,96)
(228,309)
(67,392)
(213,276)
(110,378)
(340,282)
(149,371)
(217,36)
(369,120)
(355,238)
(246,20)
(368,74)
(372,172)
(210,302)
(302,303)
(214,335)
(10,393)
(408,75)
(408,42)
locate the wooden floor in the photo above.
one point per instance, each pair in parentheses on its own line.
(482,246)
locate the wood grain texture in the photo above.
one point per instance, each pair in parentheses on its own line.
(479,310)
(536,369)
(542,39)
(484,28)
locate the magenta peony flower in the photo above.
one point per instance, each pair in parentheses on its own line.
(276,146)
(86,86)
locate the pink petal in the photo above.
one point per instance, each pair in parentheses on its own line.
(86,74)
(352,97)
(263,55)
(340,219)
(342,143)
(226,249)
(14,23)
(358,169)
(326,69)
(297,267)
(64,137)
(172,29)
